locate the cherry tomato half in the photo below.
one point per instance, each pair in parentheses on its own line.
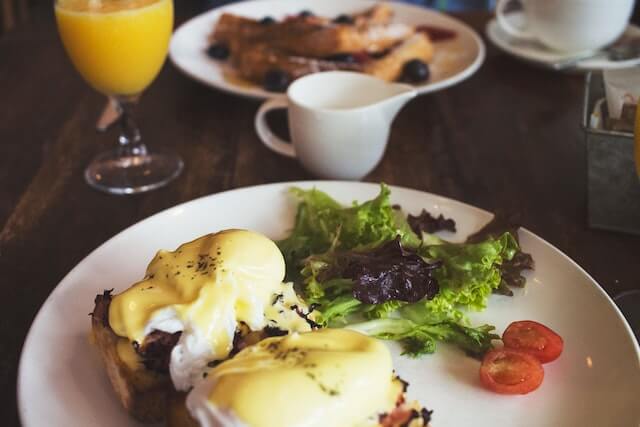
(509,371)
(533,338)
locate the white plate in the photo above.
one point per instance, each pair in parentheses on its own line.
(596,382)
(538,53)
(454,61)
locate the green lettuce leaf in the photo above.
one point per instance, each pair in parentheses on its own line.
(322,224)
(325,231)
(469,273)
(381,311)
(418,339)
(337,311)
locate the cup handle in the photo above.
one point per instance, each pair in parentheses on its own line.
(268,138)
(507,26)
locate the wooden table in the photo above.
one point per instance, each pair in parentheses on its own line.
(506,139)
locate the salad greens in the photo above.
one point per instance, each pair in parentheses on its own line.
(365,267)
(322,224)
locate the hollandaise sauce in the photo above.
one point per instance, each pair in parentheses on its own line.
(205,288)
(330,377)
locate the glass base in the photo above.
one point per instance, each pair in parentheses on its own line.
(629,304)
(115,173)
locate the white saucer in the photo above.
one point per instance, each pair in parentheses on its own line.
(536,52)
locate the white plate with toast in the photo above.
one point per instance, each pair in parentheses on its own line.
(454,59)
(596,381)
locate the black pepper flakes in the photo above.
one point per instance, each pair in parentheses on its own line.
(413,416)
(305,316)
(325,389)
(426,415)
(405,384)
(278,297)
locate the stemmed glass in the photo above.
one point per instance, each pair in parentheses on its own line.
(119,46)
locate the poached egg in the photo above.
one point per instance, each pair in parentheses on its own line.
(205,289)
(328,377)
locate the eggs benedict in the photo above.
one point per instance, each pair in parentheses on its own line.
(330,377)
(194,308)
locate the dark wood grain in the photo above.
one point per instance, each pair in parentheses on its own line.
(507,139)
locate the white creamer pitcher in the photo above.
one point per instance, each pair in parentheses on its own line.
(339,122)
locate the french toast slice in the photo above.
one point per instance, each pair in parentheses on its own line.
(380,14)
(389,67)
(321,41)
(252,62)
(143,392)
(317,37)
(233,27)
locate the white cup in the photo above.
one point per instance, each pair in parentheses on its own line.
(569,25)
(339,122)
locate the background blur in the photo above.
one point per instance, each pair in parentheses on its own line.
(14,12)
(450,5)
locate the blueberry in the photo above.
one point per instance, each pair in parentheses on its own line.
(343,19)
(342,57)
(305,13)
(218,51)
(276,81)
(415,71)
(267,20)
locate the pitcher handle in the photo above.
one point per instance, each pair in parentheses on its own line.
(508,27)
(268,138)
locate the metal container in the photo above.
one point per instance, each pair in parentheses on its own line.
(613,187)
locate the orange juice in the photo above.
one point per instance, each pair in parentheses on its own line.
(117,46)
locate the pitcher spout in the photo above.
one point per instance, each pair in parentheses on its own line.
(403,94)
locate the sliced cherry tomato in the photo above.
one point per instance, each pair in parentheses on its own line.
(533,338)
(509,371)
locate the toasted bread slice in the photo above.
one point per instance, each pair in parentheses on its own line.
(143,393)
(150,397)
(143,384)
(177,412)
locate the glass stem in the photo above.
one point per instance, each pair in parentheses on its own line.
(129,140)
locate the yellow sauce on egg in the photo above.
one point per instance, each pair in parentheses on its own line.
(211,284)
(329,377)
